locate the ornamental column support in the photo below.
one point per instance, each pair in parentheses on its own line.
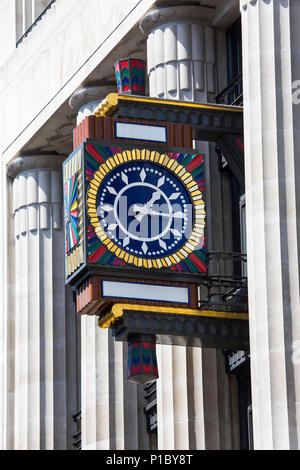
(271,65)
(40,399)
(85,100)
(181,52)
(112,416)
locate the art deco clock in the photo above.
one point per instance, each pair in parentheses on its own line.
(144,209)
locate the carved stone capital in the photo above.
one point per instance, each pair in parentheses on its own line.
(85,100)
(34,162)
(179,13)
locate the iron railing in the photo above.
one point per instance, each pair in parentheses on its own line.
(77,435)
(35,23)
(226,285)
(232,94)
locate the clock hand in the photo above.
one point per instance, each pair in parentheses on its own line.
(155,197)
(143,208)
(176,215)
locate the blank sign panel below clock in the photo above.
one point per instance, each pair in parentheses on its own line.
(153,292)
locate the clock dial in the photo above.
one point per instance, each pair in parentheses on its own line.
(144,209)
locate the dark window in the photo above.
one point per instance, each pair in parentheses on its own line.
(233,93)
(234,51)
(234,62)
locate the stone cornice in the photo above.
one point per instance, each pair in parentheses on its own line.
(179,326)
(181,13)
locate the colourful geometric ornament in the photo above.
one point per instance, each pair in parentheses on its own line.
(71,213)
(131,76)
(142,362)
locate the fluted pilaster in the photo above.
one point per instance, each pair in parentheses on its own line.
(85,100)
(194,397)
(271,58)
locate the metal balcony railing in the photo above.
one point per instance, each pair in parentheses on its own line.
(77,435)
(226,283)
(232,94)
(35,23)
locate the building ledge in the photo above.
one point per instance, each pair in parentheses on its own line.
(188,327)
(208,120)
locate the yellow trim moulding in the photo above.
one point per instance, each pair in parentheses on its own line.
(117,312)
(109,104)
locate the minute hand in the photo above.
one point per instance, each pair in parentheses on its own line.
(176,215)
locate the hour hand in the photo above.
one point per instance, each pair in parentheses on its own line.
(155,197)
(146,208)
(140,212)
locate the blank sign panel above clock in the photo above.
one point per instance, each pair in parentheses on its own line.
(134,131)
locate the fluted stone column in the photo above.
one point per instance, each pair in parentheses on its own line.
(271,64)
(40,399)
(185,55)
(197,401)
(112,415)
(180,52)
(112,408)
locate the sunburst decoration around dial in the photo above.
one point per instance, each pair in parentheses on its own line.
(71,213)
(173,182)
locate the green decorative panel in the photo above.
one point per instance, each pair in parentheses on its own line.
(134,208)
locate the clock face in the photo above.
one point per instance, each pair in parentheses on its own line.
(145,209)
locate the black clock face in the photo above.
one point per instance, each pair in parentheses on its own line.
(145,209)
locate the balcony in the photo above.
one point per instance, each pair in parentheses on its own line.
(76,437)
(226,283)
(220,321)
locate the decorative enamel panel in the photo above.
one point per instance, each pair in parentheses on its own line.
(73,212)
